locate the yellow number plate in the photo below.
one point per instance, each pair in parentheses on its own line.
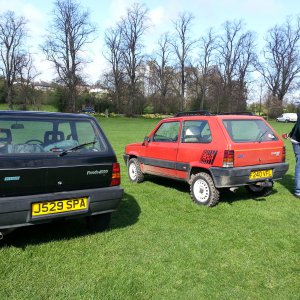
(59,206)
(261,174)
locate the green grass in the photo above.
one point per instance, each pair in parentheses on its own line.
(161,245)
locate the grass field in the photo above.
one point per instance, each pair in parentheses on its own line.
(161,245)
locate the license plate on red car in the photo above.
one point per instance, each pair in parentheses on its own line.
(261,174)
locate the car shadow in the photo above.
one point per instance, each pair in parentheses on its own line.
(127,215)
(226,196)
(241,194)
(180,186)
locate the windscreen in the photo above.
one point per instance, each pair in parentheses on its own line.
(251,130)
(42,135)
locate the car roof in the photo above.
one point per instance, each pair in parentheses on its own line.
(43,114)
(221,117)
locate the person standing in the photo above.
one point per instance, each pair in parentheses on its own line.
(294,137)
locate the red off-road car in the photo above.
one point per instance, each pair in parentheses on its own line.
(211,152)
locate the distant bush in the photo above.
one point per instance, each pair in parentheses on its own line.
(149,109)
(155,116)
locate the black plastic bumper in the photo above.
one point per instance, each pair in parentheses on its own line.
(229,177)
(16,211)
(126,156)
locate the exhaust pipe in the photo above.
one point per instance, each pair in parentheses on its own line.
(1,236)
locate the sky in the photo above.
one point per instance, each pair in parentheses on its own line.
(258,16)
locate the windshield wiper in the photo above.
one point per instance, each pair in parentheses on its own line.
(76,148)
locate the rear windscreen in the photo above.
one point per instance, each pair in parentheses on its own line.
(251,130)
(41,135)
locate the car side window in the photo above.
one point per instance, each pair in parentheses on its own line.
(196,132)
(167,132)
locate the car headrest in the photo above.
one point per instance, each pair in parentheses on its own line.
(5,135)
(53,137)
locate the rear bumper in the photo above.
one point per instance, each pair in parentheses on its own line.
(16,211)
(126,156)
(229,177)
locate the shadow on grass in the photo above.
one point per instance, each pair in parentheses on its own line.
(180,186)
(241,194)
(288,181)
(127,214)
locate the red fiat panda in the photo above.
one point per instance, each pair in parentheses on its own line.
(210,152)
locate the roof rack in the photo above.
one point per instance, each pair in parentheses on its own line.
(193,113)
(246,113)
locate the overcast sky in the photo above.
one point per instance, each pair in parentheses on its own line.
(258,15)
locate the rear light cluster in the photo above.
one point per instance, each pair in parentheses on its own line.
(228,160)
(116,175)
(283,154)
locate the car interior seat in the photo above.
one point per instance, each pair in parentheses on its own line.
(5,135)
(192,135)
(51,137)
(5,139)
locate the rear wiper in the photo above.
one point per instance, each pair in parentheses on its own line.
(76,148)
(259,139)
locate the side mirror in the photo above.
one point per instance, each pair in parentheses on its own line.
(146,140)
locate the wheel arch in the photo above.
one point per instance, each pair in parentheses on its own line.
(194,170)
(130,156)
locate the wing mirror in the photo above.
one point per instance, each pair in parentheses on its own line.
(146,140)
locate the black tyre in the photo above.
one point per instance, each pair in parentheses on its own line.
(134,171)
(258,191)
(99,223)
(203,190)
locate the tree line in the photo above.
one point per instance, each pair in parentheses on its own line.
(214,71)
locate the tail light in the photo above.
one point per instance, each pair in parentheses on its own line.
(116,175)
(283,154)
(228,159)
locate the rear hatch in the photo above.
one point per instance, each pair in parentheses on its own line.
(53,153)
(254,141)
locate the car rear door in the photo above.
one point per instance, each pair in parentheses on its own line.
(89,166)
(31,160)
(254,142)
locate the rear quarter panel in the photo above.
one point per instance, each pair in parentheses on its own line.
(205,154)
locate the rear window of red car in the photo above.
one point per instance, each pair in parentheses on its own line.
(249,130)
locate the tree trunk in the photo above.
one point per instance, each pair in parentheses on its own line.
(9,97)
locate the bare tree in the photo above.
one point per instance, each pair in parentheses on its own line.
(236,55)
(183,45)
(161,72)
(207,46)
(27,76)
(70,31)
(133,27)
(114,78)
(281,65)
(12,36)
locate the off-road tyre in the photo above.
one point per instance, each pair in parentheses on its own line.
(99,223)
(135,173)
(203,190)
(259,191)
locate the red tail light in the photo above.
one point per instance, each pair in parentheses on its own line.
(228,159)
(116,175)
(283,154)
